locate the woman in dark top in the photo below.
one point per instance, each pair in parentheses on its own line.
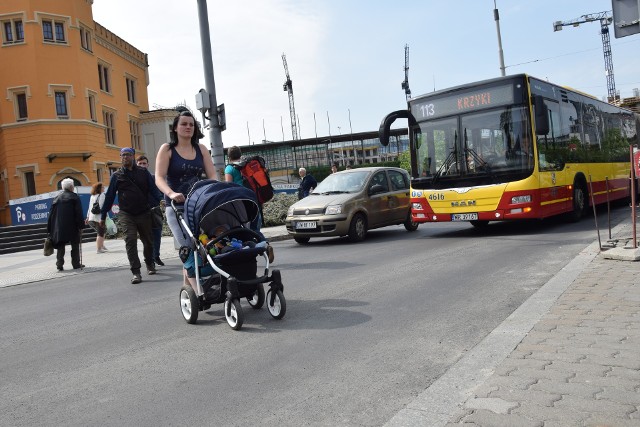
(179,164)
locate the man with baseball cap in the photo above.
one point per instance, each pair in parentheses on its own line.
(136,192)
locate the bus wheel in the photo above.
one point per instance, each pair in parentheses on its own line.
(580,202)
(478,223)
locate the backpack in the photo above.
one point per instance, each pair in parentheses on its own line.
(256,177)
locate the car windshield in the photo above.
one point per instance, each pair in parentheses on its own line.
(344,182)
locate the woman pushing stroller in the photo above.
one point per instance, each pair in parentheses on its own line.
(180,163)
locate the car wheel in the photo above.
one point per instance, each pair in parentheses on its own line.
(302,240)
(358,228)
(409,223)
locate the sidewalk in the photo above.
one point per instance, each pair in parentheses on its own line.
(569,356)
(32,266)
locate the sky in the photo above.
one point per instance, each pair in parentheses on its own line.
(346,58)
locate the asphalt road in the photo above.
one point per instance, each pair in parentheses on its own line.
(368,327)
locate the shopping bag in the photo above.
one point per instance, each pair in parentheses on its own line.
(112,229)
(48,246)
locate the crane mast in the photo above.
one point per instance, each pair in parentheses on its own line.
(605,19)
(288,87)
(405,83)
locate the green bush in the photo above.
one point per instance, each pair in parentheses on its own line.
(275,210)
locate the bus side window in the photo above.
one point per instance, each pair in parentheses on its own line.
(552,153)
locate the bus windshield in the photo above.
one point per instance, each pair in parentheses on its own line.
(481,147)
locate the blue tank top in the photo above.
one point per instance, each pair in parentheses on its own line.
(183,173)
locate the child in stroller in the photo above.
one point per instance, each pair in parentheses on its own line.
(223,257)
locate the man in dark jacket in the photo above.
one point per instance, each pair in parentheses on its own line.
(137,192)
(307,183)
(65,224)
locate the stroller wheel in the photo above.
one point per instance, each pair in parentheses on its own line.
(276,304)
(233,313)
(257,299)
(189,304)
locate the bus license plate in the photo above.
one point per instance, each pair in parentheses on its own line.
(305,224)
(464,217)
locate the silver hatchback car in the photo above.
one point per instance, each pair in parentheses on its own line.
(351,202)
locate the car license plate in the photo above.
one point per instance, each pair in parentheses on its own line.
(305,224)
(464,217)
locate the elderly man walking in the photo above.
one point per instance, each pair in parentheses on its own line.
(65,224)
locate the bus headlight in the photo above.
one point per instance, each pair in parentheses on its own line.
(521,199)
(333,210)
(416,206)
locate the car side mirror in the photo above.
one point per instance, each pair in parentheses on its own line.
(376,189)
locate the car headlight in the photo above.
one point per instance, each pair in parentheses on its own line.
(333,210)
(290,211)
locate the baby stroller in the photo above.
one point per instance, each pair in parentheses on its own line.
(223,258)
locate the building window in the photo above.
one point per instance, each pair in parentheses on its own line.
(29,183)
(19,95)
(13,31)
(85,39)
(99,174)
(92,107)
(104,75)
(134,127)
(53,31)
(109,127)
(27,175)
(21,104)
(131,90)
(61,105)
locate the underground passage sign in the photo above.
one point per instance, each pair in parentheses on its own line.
(35,209)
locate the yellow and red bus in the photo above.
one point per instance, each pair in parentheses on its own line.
(512,148)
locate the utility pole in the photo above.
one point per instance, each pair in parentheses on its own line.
(206,100)
(496,16)
(605,19)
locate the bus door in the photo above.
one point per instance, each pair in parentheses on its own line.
(552,152)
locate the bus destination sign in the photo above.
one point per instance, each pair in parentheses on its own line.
(462,102)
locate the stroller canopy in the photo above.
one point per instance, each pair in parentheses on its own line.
(211,203)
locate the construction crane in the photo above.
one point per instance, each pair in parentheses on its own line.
(405,83)
(605,19)
(288,87)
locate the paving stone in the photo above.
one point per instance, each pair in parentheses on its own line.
(496,382)
(620,396)
(538,374)
(565,357)
(623,362)
(619,372)
(608,381)
(582,367)
(488,418)
(542,398)
(611,420)
(590,406)
(493,404)
(573,389)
